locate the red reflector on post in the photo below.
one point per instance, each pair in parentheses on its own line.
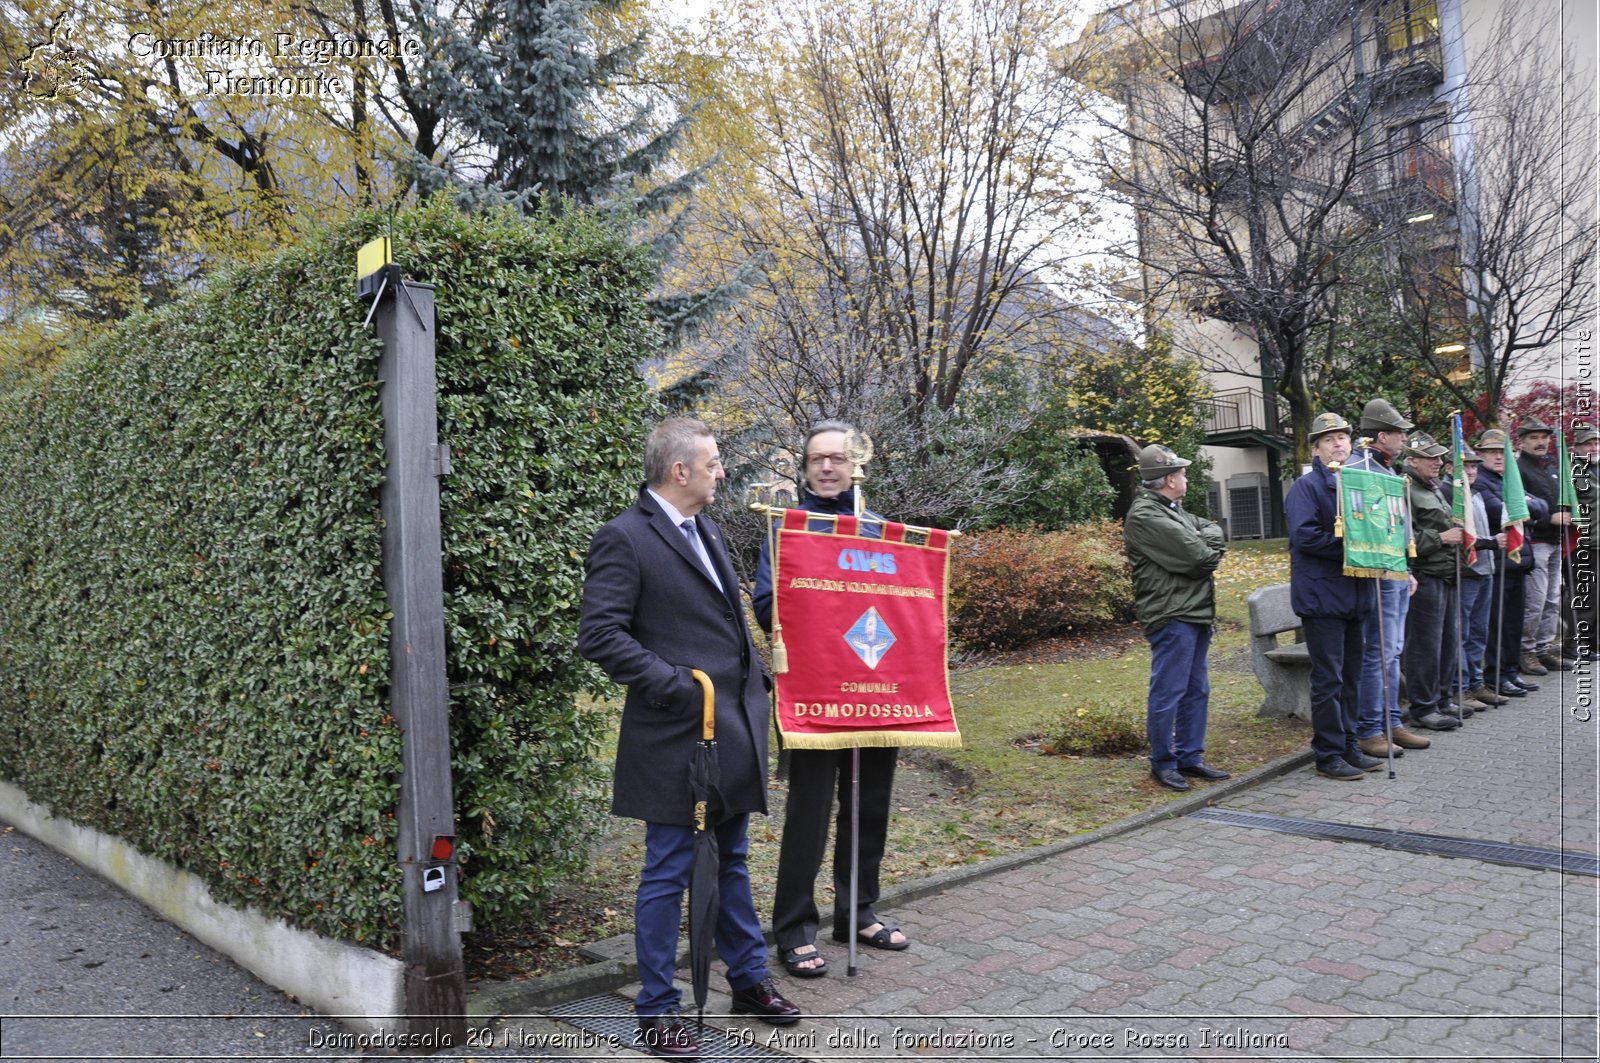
(444,846)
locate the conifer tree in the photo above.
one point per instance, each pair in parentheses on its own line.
(547,120)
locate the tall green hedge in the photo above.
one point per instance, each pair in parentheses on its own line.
(193,629)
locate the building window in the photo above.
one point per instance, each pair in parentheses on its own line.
(1406,24)
(1420,158)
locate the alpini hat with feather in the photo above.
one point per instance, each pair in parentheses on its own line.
(1158,460)
(1379,415)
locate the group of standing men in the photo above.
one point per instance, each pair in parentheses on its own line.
(1462,629)
(1365,636)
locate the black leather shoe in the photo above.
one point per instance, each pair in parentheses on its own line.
(765,1002)
(1525,684)
(1203,771)
(666,1036)
(1509,689)
(1357,759)
(1171,780)
(1341,769)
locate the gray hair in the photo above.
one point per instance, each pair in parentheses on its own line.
(671,441)
(828,425)
(821,427)
(1158,483)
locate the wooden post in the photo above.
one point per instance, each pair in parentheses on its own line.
(413,578)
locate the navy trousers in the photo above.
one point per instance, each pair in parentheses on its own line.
(1335,647)
(658,912)
(1180,691)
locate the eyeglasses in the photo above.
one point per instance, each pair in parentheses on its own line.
(817,461)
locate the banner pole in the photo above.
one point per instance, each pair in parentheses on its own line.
(1461,647)
(859,449)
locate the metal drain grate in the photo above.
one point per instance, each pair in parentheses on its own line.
(1437,844)
(611,1015)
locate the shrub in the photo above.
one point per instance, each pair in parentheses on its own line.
(193,628)
(1098,731)
(1009,588)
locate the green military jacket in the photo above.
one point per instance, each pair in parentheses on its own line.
(1174,555)
(1431,515)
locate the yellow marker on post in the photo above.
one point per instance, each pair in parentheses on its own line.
(371,257)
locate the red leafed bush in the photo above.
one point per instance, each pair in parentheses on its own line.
(1010,588)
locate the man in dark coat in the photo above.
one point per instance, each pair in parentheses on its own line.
(660,598)
(1331,605)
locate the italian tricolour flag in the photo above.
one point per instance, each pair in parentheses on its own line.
(1514,506)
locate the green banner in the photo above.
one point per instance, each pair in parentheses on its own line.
(1372,510)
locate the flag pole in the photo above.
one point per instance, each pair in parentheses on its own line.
(858,449)
(1458,464)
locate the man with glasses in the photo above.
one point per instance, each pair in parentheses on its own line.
(815,774)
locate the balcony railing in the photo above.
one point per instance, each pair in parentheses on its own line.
(1240,410)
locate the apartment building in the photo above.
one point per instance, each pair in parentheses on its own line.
(1271,143)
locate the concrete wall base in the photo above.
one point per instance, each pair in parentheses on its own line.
(363,989)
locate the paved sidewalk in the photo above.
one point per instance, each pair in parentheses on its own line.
(1192,939)
(1182,939)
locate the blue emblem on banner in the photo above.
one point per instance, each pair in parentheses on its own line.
(870,638)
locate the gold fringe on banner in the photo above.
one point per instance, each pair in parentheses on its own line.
(873,739)
(1375,573)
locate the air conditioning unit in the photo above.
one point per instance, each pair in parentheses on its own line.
(1248,509)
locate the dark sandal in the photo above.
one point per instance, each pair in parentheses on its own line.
(793,958)
(883,939)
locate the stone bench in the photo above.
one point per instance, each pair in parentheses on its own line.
(1283,669)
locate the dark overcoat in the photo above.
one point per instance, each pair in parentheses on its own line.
(651,613)
(1318,586)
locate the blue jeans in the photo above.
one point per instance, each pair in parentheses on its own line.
(1382,660)
(1476,593)
(658,912)
(1180,689)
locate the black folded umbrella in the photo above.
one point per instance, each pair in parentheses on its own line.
(705,778)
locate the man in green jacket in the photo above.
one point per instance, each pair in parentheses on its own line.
(1174,555)
(1429,659)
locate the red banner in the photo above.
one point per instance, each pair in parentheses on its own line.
(862,624)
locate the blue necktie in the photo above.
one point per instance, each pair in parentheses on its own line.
(691,533)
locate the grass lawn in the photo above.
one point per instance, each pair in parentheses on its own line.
(997,794)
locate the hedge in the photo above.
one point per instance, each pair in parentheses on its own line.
(1009,588)
(193,629)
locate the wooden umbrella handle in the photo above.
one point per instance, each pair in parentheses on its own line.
(708,721)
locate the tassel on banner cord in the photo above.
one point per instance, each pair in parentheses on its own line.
(780,652)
